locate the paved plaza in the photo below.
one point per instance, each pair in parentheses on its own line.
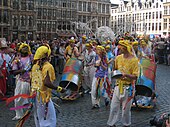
(79,113)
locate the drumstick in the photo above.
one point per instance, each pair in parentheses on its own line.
(67,85)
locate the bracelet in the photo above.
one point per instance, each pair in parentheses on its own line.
(59,89)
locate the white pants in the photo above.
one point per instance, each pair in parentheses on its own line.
(115,108)
(88,77)
(95,99)
(21,88)
(42,120)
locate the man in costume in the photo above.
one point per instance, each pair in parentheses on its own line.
(100,84)
(127,63)
(3,68)
(42,85)
(21,67)
(89,68)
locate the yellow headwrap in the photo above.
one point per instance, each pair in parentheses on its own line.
(42,52)
(107,47)
(127,45)
(84,37)
(89,45)
(143,42)
(135,43)
(72,40)
(22,45)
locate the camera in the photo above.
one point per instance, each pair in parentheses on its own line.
(160,121)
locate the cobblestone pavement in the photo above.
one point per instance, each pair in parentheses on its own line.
(79,114)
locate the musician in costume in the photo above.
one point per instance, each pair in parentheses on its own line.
(42,85)
(110,58)
(145,49)
(21,67)
(4,58)
(100,84)
(127,63)
(72,50)
(89,69)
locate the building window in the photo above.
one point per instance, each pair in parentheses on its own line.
(152,26)
(159,26)
(165,25)
(5,2)
(84,6)
(30,21)
(149,15)
(23,6)
(160,14)
(84,19)
(80,6)
(38,25)
(73,5)
(23,21)
(0,16)
(80,18)
(30,6)
(5,16)
(156,15)
(166,10)
(64,4)
(156,5)
(156,28)
(15,21)
(103,8)
(49,2)
(107,9)
(15,4)
(99,7)
(153,15)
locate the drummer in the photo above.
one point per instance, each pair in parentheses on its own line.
(127,63)
(72,50)
(145,48)
(100,84)
(89,68)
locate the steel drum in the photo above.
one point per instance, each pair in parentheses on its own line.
(71,74)
(146,82)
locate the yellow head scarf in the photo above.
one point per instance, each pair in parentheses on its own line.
(42,52)
(84,37)
(143,42)
(22,45)
(107,47)
(134,43)
(127,45)
(72,40)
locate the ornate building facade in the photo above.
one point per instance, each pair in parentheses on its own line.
(5,17)
(138,16)
(23,19)
(166,18)
(62,17)
(37,19)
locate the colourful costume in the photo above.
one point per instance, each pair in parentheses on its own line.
(100,84)
(122,90)
(22,80)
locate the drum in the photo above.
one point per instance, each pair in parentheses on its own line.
(146,82)
(71,74)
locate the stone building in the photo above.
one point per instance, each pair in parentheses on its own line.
(64,17)
(166,18)
(23,20)
(38,19)
(138,16)
(5,17)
